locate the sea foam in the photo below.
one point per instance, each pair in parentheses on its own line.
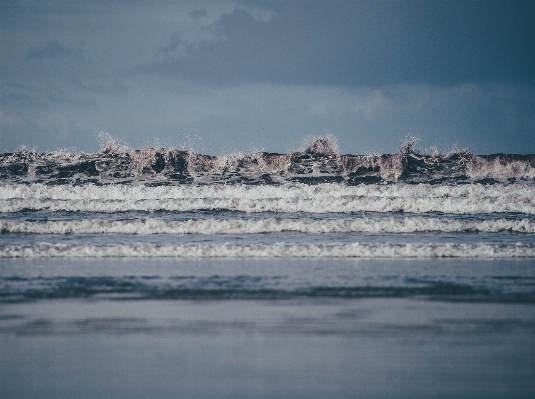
(277,250)
(210,226)
(322,198)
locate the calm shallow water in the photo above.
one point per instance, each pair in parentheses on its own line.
(231,328)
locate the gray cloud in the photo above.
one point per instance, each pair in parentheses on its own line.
(196,14)
(226,76)
(54,49)
(25,99)
(174,43)
(360,43)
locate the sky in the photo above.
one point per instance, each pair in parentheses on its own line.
(221,77)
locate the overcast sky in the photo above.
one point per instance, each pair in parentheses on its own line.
(221,77)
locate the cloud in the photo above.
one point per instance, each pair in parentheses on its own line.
(102,86)
(361,43)
(25,100)
(278,117)
(174,43)
(9,119)
(238,73)
(486,118)
(54,49)
(198,13)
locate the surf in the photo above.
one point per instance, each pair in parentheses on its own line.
(318,162)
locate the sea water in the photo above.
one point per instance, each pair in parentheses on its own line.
(165,273)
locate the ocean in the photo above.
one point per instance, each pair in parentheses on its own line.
(165,273)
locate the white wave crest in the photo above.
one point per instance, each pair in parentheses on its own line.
(500,168)
(279,250)
(323,198)
(150,226)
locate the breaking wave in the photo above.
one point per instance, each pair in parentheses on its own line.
(320,162)
(227,203)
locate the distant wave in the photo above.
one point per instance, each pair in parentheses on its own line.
(150,226)
(320,162)
(258,250)
(322,198)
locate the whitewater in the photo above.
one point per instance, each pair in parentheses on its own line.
(312,203)
(321,198)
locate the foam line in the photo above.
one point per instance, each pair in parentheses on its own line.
(323,198)
(278,250)
(150,226)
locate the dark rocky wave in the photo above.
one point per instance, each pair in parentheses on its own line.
(320,162)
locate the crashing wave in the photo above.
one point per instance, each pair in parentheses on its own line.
(319,162)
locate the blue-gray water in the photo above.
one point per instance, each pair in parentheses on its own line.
(164,273)
(284,328)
